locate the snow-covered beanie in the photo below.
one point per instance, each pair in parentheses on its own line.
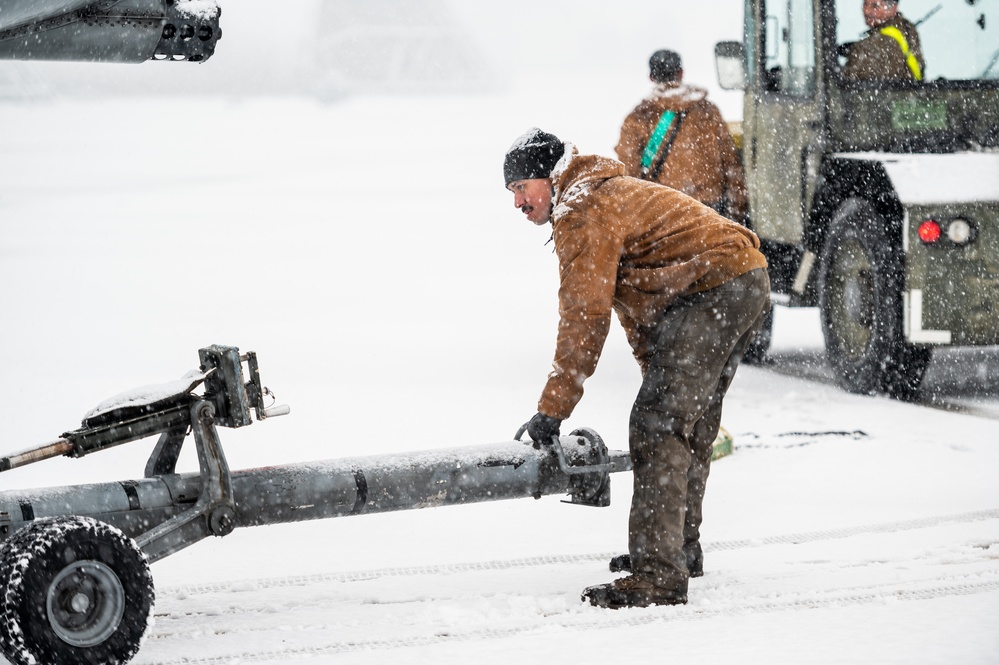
(664,65)
(531,156)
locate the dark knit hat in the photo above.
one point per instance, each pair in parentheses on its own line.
(664,66)
(533,155)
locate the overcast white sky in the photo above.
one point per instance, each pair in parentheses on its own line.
(589,42)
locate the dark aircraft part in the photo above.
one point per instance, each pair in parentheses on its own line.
(109,30)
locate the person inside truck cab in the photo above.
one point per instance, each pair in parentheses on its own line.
(889,52)
(676,137)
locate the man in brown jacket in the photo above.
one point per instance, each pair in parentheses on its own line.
(889,52)
(689,287)
(676,137)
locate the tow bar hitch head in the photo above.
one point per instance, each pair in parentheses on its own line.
(165,410)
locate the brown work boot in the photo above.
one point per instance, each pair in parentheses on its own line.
(633,591)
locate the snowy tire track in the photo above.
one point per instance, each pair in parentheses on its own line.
(531,562)
(323,611)
(948,586)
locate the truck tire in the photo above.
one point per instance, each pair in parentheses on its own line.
(758,349)
(72,590)
(860,298)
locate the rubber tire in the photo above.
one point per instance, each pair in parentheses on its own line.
(30,568)
(758,350)
(860,298)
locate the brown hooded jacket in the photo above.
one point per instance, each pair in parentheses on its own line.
(631,246)
(702,161)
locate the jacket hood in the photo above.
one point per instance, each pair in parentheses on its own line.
(576,174)
(681,96)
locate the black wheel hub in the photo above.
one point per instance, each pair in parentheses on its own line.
(85,604)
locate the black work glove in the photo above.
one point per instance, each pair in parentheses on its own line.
(542,428)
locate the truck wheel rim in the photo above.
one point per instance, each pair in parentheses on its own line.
(85,603)
(853,298)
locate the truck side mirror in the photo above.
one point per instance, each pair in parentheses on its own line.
(730,61)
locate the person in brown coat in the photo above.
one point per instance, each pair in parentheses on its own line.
(889,52)
(677,138)
(690,288)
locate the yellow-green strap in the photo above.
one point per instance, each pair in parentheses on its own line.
(910,58)
(655,141)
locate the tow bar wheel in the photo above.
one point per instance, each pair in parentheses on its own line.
(73,590)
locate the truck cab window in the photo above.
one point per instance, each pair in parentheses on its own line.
(789,47)
(955,41)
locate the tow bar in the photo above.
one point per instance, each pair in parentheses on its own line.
(75,584)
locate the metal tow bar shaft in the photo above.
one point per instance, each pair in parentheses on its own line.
(159,512)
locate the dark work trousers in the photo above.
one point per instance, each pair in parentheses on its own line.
(675,419)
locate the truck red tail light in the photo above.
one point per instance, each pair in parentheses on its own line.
(958,232)
(929,231)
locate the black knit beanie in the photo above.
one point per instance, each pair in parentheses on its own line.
(533,155)
(664,65)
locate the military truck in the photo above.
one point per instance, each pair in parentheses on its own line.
(876,201)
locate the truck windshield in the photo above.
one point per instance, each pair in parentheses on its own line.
(959,39)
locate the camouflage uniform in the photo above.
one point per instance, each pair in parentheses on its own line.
(879,57)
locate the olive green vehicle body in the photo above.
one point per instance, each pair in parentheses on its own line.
(960,287)
(812,141)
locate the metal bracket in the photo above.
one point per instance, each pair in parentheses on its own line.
(214,511)
(613,464)
(608,466)
(163,459)
(589,472)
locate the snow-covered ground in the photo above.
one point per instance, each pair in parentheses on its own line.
(399,302)
(369,254)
